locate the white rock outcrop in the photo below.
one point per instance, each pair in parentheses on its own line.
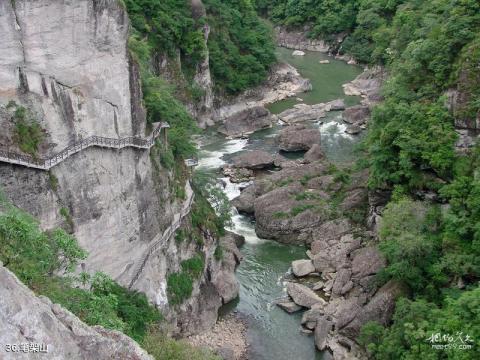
(35,321)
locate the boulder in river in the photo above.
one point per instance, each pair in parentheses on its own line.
(303,296)
(289,306)
(298,53)
(238,175)
(247,121)
(315,153)
(356,115)
(255,159)
(298,138)
(244,202)
(302,267)
(353,129)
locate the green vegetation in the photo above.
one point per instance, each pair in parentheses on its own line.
(301,208)
(28,132)
(212,208)
(68,217)
(240,44)
(417,321)
(36,256)
(428,48)
(179,287)
(193,266)
(180,284)
(53,181)
(164,348)
(218,254)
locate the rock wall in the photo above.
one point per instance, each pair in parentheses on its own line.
(74,73)
(28,319)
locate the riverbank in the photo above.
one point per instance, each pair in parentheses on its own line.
(227,338)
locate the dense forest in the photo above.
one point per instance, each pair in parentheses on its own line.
(433,247)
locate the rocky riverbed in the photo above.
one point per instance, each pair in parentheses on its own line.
(282,174)
(227,338)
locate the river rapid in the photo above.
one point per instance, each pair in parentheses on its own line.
(272,333)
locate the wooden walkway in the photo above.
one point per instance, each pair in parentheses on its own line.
(77,146)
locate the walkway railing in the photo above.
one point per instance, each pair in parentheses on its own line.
(162,238)
(77,146)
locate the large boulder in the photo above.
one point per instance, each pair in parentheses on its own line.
(343,282)
(280,216)
(244,202)
(322,329)
(315,153)
(289,306)
(329,231)
(255,159)
(332,255)
(379,309)
(26,318)
(298,138)
(223,275)
(247,121)
(367,261)
(356,115)
(302,267)
(303,296)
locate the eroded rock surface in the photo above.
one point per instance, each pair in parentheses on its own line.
(26,318)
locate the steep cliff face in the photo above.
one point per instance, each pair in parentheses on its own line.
(74,74)
(35,321)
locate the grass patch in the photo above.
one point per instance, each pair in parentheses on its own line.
(218,254)
(161,347)
(301,208)
(67,216)
(280,215)
(53,181)
(28,133)
(193,266)
(179,287)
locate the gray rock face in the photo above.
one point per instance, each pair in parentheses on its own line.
(224,279)
(255,159)
(353,129)
(274,219)
(342,283)
(333,254)
(380,308)
(299,40)
(244,202)
(305,112)
(289,306)
(303,296)
(356,115)
(327,232)
(298,138)
(247,121)
(315,153)
(322,329)
(302,267)
(367,261)
(367,85)
(26,318)
(78,81)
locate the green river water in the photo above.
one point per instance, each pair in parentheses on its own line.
(272,333)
